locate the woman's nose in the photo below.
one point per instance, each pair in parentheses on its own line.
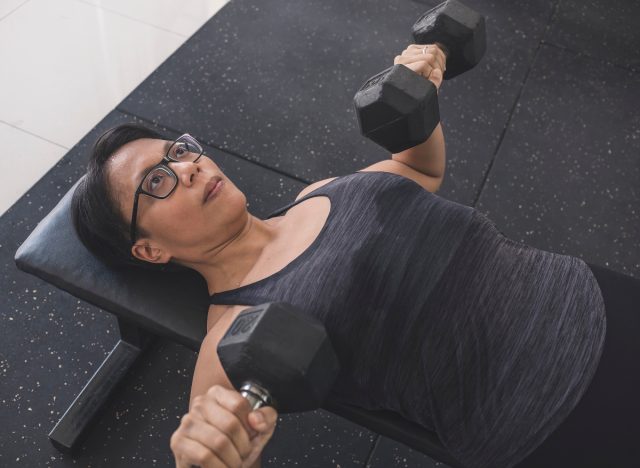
(186,172)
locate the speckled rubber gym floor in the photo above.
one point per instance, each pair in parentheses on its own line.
(543,136)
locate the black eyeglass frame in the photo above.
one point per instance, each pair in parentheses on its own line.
(164,163)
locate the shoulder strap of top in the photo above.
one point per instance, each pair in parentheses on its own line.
(250,294)
(239,296)
(328,186)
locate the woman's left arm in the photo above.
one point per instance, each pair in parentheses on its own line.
(427,157)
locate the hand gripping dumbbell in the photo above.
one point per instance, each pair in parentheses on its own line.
(275,355)
(397,108)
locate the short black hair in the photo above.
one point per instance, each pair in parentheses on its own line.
(96,216)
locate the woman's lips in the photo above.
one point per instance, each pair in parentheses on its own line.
(213,188)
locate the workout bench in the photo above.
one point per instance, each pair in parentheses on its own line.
(145,304)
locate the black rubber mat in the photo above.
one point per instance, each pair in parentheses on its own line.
(604,29)
(566,176)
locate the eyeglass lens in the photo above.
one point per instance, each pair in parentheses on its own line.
(160,181)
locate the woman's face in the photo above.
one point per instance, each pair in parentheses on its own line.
(184,225)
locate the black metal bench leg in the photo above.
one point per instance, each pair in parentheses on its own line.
(72,425)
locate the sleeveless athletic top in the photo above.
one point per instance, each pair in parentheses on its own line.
(436,315)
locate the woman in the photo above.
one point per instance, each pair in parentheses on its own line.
(433,313)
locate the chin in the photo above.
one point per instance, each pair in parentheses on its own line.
(239,199)
(235,204)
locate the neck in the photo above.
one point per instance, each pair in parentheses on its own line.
(226,266)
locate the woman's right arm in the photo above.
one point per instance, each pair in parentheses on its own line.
(220,430)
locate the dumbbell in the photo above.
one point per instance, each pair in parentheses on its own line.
(397,108)
(276,355)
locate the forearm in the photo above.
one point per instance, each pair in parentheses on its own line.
(428,157)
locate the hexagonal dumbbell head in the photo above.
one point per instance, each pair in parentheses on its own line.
(459,28)
(281,356)
(397,108)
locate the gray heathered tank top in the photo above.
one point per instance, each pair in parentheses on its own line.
(436,315)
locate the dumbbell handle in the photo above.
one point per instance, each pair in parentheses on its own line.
(256,395)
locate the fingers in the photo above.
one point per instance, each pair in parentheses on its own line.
(428,61)
(439,54)
(218,442)
(212,433)
(191,452)
(228,416)
(232,401)
(431,54)
(221,431)
(436,78)
(440,57)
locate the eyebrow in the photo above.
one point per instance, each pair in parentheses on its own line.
(144,171)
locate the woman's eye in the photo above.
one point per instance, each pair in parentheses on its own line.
(180,151)
(154,182)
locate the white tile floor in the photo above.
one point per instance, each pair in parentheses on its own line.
(66,63)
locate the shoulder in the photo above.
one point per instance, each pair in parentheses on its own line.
(311,187)
(220,316)
(429,183)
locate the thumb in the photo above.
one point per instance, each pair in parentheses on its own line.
(263,418)
(436,77)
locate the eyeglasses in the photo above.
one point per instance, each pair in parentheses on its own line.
(160,181)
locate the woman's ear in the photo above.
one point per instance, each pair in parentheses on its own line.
(150,252)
